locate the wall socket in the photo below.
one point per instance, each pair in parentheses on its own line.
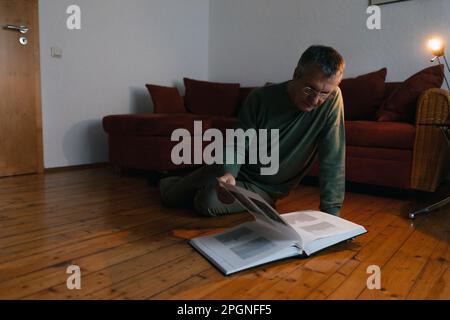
(56,52)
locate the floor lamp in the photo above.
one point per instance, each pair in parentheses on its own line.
(438,49)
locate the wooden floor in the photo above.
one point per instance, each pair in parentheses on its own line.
(130,247)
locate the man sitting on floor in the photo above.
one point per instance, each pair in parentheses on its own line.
(308,112)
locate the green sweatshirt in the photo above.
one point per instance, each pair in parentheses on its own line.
(302,135)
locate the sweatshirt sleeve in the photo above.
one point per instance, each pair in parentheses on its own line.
(331,149)
(247,119)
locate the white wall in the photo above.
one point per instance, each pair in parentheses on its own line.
(255,41)
(122,45)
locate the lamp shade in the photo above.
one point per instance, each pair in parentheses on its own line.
(436,46)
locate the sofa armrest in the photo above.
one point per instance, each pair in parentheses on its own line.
(433,107)
(431,152)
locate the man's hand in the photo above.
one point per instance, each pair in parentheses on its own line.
(222,194)
(228,178)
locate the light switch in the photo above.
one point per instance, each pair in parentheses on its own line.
(56,52)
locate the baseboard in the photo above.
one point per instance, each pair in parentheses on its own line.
(79,167)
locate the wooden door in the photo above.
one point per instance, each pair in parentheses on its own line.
(20,105)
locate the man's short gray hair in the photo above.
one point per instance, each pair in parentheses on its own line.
(326,58)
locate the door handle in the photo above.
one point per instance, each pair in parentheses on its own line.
(21,29)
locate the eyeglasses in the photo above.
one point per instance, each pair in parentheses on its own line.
(310,92)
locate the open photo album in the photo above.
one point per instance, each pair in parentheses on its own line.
(271,236)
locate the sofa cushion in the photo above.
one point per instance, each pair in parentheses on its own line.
(363,95)
(390,88)
(152,124)
(211,98)
(393,135)
(379,166)
(401,104)
(166,99)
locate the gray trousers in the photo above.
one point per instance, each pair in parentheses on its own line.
(198,190)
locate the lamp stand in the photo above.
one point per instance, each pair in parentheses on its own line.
(446,63)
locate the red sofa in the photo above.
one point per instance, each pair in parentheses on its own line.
(385,144)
